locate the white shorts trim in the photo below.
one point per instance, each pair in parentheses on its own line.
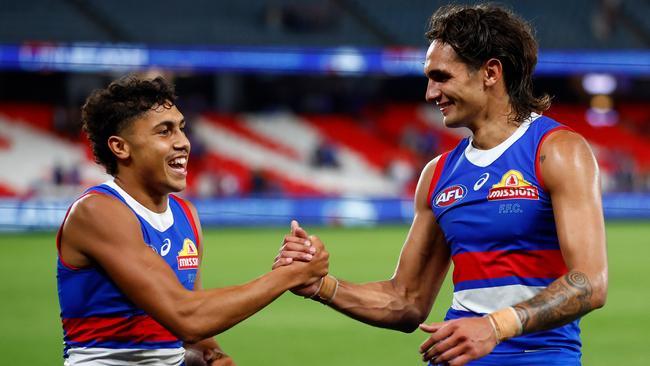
(118,357)
(490,299)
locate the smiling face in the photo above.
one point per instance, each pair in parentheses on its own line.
(457,90)
(157,149)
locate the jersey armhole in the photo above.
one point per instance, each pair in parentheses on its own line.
(538,172)
(436,177)
(59,233)
(190,217)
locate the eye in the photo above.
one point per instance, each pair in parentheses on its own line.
(164,132)
(440,78)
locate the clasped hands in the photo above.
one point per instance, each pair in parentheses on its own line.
(299,248)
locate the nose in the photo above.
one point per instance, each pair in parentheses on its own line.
(433,92)
(182,142)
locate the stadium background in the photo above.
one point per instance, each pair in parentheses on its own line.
(302,109)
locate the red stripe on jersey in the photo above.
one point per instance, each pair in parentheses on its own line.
(190,217)
(528,264)
(436,177)
(138,329)
(538,172)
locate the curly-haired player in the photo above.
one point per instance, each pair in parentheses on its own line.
(130,252)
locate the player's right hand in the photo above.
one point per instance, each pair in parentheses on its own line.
(317,267)
(297,246)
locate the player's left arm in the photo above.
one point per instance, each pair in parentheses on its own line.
(212,353)
(570,173)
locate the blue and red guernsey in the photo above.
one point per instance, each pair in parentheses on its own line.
(497,218)
(100,324)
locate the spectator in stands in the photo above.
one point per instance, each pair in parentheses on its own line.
(216,183)
(65,181)
(261,185)
(625,173)
(516,207)
(58,174)
(325,156)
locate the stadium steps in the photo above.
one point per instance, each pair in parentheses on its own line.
(222,167)
(39,152)
(236,146)
(289,129)
(346,131)
(222,163)
(237,127)
(285,129)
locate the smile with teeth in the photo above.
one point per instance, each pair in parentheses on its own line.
(179,165)
(443,106)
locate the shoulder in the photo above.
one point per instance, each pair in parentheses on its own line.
(98,208)
(564,156)
(428,179)
(562,135)
(96,222)
(562,144)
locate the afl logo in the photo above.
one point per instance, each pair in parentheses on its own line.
(450,195)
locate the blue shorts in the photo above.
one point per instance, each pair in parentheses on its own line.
(545,357)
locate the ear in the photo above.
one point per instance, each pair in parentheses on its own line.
(120,147)
(493,72)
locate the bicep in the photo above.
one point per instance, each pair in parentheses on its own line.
(570,173)
(425,257)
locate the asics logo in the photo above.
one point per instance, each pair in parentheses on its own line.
(481,181)
(164,249)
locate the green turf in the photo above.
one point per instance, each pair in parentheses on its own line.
(293,331)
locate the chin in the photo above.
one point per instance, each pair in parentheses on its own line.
(455,122)
(451,123)
(175,185)
(178,187)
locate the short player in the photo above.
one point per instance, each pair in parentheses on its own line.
(128,270)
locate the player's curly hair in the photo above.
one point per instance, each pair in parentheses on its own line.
(481,32)
(107,112)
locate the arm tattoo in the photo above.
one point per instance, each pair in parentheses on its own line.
(563,301)
(541,159)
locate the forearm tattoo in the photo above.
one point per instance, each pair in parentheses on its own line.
(563,301)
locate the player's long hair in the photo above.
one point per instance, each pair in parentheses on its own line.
(108,111)
(482,32)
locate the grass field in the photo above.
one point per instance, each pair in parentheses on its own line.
(293,331)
